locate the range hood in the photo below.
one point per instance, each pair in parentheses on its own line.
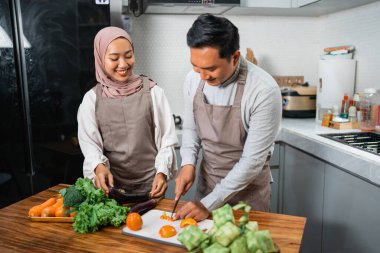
(188,6)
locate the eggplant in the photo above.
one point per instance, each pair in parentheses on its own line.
(122,197)
(144,207)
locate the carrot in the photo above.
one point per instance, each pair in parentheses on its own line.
(61,211)
(50,210)
(72,214)
(36,210)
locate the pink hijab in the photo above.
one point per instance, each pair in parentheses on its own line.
(112,88)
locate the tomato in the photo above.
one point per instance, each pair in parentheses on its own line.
(166,217)
(134,221)
(188,221)
(167,231)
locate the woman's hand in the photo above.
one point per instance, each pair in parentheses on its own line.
(103,178)
(159,185)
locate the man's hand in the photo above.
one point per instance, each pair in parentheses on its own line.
(193,209)
(184,180)
(159,185)
(103,178)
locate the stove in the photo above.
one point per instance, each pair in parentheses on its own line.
(366,141)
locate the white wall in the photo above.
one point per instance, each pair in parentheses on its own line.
(359,27)
(282,45)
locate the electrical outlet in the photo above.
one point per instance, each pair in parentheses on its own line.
(289,80)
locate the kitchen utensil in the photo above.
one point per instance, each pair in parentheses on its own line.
(175,206)
(153,223)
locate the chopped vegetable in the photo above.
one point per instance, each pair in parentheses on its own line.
(167,231)
(188,221)
(164,216)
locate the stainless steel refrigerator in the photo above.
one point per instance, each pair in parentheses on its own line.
(46,66)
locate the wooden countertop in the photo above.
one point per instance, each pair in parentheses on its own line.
(19,234)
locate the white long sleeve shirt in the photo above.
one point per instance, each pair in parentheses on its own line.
(261,109)
(91,142)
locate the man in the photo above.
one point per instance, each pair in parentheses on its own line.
(233,111)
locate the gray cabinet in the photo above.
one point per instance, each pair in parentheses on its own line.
(171,184)
(274,164)
(303,183)
(351,213)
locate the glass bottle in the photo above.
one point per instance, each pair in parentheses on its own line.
(367,122)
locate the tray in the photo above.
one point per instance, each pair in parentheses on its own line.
(152,224)
(53,219)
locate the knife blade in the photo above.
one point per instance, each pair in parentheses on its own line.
(175,206)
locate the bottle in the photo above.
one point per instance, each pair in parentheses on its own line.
(352,112)
(367,122)
(344,109)
(376,110)
(357,105)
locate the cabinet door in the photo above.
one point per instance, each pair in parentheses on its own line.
(303,194)
(274,164)
(274,189)
(190,195)
(351,213)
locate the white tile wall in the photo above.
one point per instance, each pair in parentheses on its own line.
(359,27)
(283,45)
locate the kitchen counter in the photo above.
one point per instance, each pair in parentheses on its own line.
(19,234)
(304,134)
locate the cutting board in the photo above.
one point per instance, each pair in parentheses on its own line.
(152,224)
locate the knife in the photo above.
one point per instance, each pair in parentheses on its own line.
(175,205)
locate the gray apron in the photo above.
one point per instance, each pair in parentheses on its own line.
(127,128)
(222,135)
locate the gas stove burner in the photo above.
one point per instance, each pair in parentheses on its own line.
(366,141)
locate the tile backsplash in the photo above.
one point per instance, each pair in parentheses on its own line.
(282,45)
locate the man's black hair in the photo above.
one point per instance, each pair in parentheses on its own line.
(211,31)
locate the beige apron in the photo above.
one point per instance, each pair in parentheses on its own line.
(222,133)
(127,129)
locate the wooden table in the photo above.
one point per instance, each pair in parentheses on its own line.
(19,234)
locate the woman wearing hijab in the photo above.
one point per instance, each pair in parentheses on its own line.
(125,125)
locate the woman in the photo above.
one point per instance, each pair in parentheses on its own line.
(125,125)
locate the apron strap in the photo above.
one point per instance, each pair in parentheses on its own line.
(241,82)
(146,88)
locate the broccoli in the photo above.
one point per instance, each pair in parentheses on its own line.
(72,197)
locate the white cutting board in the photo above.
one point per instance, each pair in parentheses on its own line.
(152,224)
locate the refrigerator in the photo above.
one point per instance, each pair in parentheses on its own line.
(46,66)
